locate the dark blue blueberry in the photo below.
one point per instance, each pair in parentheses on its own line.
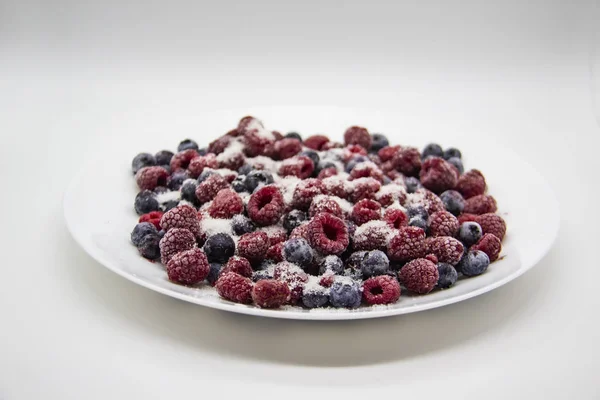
(188,191)
(213,273)
(242,225)
(244,169)
(386,180)
(187,144)
(293,135)
(470,233)
(322,165)
(417,211)
(412,184)
(142,160)
(298,251)
(314,298)
(355,259)
(261,274)
(345,294)
(166,167)
(379,141)
(452,152)
(142,229)
(312,155)
(374,263)
(354,162)
(145,202)
(160,190)
(432,149)
(219,248)
(163,157)
(176,180)
(169,205)
(256,178)
(148,247)
(447,276)
(331,263)
(453,201)
(161,233)
(457,162)
(205,174)
(475,262)
(203,151)
(238,184)
(293,219)
(418,222)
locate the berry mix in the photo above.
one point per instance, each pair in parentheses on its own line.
(275,220)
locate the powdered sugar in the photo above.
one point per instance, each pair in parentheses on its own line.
(168,196)
(234,148)
(212,226)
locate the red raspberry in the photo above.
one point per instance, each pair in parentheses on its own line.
(198,164)
(443,223)
(300,231)
(334,186)
(275,234)
(427,199)
(188,267)
(182,159)
(375,159)
(238,265)
(181,217)
(275,252)
(432,257)
(316,142)
(231,160)
(253,246)
(226,204)
(490,245)
(492,223)
(408,161)
(366,169)
(328,234)
(382,289)
(234,133)
(419,276)
(352,151)
(389,194)
(480,204)
(407,244)
(249,123)
(373,235)
(364,188)
(288,147)
(471,183)
(208,189)
(366,210)
(447,249)
(395,218)
(153,217)
(327,279)
(462,218)
(270,293)
(357,135)
(437,175)
(305,191)
(388,152)
(394,175)
(235,287)
(175,241)
(328,204)
(148,178)
(218,146)
(300,166)
(332,145)
(266,206)
(258,141)
(327,172)
(294,276)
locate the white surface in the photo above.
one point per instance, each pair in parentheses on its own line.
(77,79)
(101,224)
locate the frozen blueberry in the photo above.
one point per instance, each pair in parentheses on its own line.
(418,222)
(412,184)
(187,144)
(453,201)
(447,276)
(354,162)
(457,162)
(176,179)
(452,152)
(205,174)
(142,160)
(163,157)
(213,272)
(142,229)
(475,262)
(374,263)
(322,165)
(242,225)
(148,246)
(293,219)
(345,293)
(188,191)
(256,178)
(219,248)
(244,169)
(203,151)
(355,259)
(470,233)
(315,298)
(238,184)
(379,141)
(293,135)
(417,211)
(160,190)
(312,155)
(298,251)
(145,202)
(169,205)
(432,149)
(331,263)
(386,180)
(261,274)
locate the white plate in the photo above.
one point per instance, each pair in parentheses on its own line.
(98,204)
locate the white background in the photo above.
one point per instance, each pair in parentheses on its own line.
(79,78)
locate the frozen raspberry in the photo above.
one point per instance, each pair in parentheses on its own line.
(316,142)
(305,191)
(266,206)
(270,293)
(226,204)
(327,279)
(432,257)
(198,164)
(286,148)
(471,183)
(301,231)
(233,133)
(182,159)
(395,218)
(382,289)
(331,145)
(328,234)
(258,142)
(366,170)
(364,188)
(492,223)
(352,151)
(152,217)
(328,204)
(276,234)
(419,276)
(181,217)
(294,276)
(437,175)
(233,161)
(480,204)
(389,194)
(373,235)
(175,241)
(218,146)
(334,186)
(387,153)
(427,199)
(275,252)
(462,218)
(299,166)
(327,172)
(188,267)
(442,223)
(253,246)
(407,160)
(366,210)
(235,287)
(238,265)
(490,245)
(249,123)
(447,249)
(358,135)
(278,135)
(407,244)
(208,189)
(149,178)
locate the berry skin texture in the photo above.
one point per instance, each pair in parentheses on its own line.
(470,233)
(219,247)
(382,289)
(470,184)
(181,217)
(490,245)
(374,263)
(275,252)
(182,159)
(142,160)
(298,251)
(299,166)
(359,136)
(286,148)
(175,241)
(266,206)
(480,204)
(153,217)
(219,145)
(235,287)
(142,229)
(371,236)
(325,204)
(149,247)
(453,202)
(238,265)
(378,142)
(395,218)
(316,142)
(177,178)
(315,298)
(447,249)
(198,164)
(447,276)
(366,170)
(419,276)
(452,152)
(306,191)
(407,160)
(364,188)
(257,178)
(149,178)
(213,273)
(442,223)
(366,210)
(293,219)
(432,149)
(188,267)
(145,202)
(226,204)
(331,264)
(345,294)
(242,224)
(253,246)
(431,257)
(294,276)
(438,175)
(328,234)
(187,144)
(492,223)
(474,263)
(208,189)
(163,157)
(462,218)
(408,244)
(270,293)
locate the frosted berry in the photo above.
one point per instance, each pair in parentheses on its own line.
(453,201)
(293,219)
(431,257)
(270,293)
(447,276)
(452,152)
(240,224)
(481,204)
(298,251)
(316,142)
(470,184)
(446,249)
(266,206)
(490,245)
(294,276)
(175,241)
(474,263)
(374,263)
(437,175)
(462,218)
(432,149)
(395,218)
(373,235)
(442,223)
(332,264)
(389,194)
(378,142)
(345,293)
(382,289)
(238,265)
(163,157)
(407,244)
(364,188)
(181,217)
(198,164)
(366,170)
(213,273)
(458,164)
(358,135)
(407,160)
(149,178)
(366,210)
(235,288)
(313,155)
(257,178)
(187,144)
(142,229)
(275,252)
(142,160)
(208,189)
(188,267)
(182,159)
(153,217)
(219,247)
(492,223)
(305,192)
(299,166)
(226,204)
(328,234)
(287,148)
(149,247)
(253,246)
(419,276)
(176,179)
(328,204)
(470,233)
(315,297)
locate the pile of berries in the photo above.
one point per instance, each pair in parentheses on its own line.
(275,220)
